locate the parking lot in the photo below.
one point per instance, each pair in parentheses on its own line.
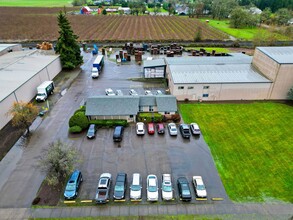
(148,154)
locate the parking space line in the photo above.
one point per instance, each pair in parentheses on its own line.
(69,202)
(217,199)
(84,201)
(137,200)
(121,200)
(201,199)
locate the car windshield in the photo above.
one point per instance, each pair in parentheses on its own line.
(200,187)
(135,187)
(167,188)
(70,187)
(119,188)
(173,129)
(186,192)
(152,188)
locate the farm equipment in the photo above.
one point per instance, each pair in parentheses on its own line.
(45,46)
(95,50)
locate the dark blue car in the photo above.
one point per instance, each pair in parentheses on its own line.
(73,185)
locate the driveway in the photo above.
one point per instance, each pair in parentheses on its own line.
(22,179)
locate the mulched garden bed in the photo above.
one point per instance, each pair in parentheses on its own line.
(48,195)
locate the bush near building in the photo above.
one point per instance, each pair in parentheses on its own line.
(109,122)
(150,117)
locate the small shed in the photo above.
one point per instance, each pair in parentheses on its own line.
(154,68)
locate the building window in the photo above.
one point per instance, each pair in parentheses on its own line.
(180,87)
(151,109)
(205,95)
(190,87)
(130,116)
(167,113)
(140,108)
(206,87)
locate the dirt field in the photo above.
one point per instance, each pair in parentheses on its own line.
(39,24)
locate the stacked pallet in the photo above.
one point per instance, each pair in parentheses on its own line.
(45,46)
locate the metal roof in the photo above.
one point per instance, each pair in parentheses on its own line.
(234,58)
(18,67)
(112,105)
(282,55)
(166,103)
(227,73)
(152,63)
(6,46)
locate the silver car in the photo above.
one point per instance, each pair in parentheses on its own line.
(172,129)
(109,92)
(132,92)
(152,188)
(167,188)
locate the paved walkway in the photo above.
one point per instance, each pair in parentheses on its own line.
(224,211)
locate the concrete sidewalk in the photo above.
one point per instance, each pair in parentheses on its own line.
(223,211)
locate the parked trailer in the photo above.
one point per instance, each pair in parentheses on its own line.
(99,62)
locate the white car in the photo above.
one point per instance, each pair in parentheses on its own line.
(199,187)
(109,92)
(135,187)
(119,92)
(159,92)
(132,92)
(194,128)
(95,72)
(172,129)
(148,92)
(167,188)
(152,188)
(140,129)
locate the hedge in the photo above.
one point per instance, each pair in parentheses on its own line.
(81,109)
(75,129)
(109,122)
(150,117)
(79,119)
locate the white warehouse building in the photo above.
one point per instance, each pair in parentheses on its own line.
(267,75)
(20,74)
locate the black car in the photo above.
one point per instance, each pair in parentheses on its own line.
(73,185)
(120,186)
(184,190)
(118,133)
(91,133)
(184,130)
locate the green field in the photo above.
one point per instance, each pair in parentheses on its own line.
(35,3)
(243,33)
(252,145)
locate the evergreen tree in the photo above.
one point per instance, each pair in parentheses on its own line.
(67,45)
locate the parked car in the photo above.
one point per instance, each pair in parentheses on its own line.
(167,188)
(135,188)
(183,188)
(148,92)
(91,133)
(109,92)
(140,128)
(172,129)
(132,92)
(199,187)
(159,92)
(103,189)
(151,128)
(73,185)
(118,133)
(119,92)
(194,128)
(184,129)
(120,186)
(95,72)
(152,188)
(160,128)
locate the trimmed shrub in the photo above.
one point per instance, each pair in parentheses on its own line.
(75,129)
(81,109)
(109,122)
(176,118)
(80,120)
(150,117)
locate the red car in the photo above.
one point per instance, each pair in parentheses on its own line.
(151,128)
(160,128)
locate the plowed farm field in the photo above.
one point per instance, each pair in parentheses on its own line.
(39,24)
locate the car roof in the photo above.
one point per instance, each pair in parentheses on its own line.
(182,180)
(194,125)
(74,175)
(198,180)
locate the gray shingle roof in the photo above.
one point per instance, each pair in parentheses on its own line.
(166,103)
(231,73)
(152,63)
(282,55)
(106,105)
(235,58)
(147,100)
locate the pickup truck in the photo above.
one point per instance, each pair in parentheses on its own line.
(103,189)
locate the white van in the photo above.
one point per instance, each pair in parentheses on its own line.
(95,72)
(135,187)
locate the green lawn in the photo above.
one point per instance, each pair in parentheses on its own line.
(252,145)
(152,10)
(210,49)
(35,3)
(243,33)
